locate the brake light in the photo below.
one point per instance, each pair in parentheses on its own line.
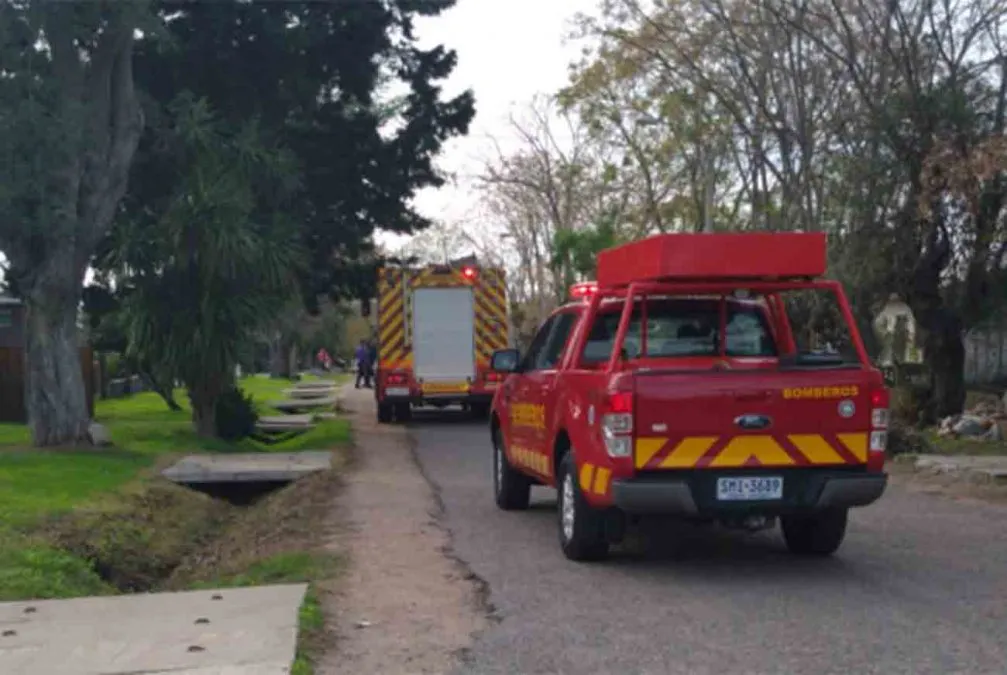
(617,419)
(493,376)
(620,402)
(396,378)
(879,430)
(583,290)
(469,272)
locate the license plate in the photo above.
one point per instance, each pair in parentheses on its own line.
(397,391)
(751,488)
(445,387)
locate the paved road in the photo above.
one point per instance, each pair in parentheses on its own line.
(920,586)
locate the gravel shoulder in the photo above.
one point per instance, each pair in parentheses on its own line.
(405,605)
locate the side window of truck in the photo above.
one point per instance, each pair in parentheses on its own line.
(537,344)
(551,354)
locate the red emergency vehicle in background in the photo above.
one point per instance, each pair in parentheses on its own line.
(676,385)
(438,326)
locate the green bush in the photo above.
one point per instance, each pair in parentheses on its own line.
(235,415)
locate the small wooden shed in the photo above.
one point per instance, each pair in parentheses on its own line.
(12,339)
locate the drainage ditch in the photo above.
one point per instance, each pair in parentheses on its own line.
(136,542)
(238,493)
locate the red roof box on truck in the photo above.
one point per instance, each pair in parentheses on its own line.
(740,255)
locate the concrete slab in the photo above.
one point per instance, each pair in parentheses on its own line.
(286,421)
(247,467)
(223,632)
(318,384)
(314,392)
(305,404)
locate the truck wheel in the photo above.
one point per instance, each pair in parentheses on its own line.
(817,535)
(581,528)
(403,412)
(511,489)
(384,413)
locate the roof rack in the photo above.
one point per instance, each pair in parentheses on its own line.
(721,257)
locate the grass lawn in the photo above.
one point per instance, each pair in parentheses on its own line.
(36,483)
(98,521)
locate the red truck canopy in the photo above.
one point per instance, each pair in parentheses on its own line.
(711,257)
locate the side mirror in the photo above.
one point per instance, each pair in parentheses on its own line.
(505,360)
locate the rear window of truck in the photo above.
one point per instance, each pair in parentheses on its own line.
(684,327)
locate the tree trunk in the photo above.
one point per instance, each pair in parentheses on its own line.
(204,408)
(169,399)
(163,388)
(96,117)
(54,382)
(203,394)
(280,351)
(103,374)
(944,349)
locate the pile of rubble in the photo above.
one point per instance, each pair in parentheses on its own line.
(985,421)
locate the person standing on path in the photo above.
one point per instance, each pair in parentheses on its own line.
(372,351)
(363,356)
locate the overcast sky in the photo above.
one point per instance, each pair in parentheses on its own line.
(508,51)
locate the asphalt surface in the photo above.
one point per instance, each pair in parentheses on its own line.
(919,586)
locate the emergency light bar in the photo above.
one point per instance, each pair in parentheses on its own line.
(710,257)
(583,290)
(469,272)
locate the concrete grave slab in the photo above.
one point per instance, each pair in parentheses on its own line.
(322,384)
(224,632)
(305,404)
(248,467)
(314,392)
(285,421)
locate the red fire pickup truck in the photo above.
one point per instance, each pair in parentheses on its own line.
(679,384)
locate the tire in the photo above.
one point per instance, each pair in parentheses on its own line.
(511,489)
(817,535)
(403,412)
(581,527)
(384,413)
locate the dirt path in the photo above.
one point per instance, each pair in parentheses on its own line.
(404,606)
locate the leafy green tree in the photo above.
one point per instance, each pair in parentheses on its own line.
(575,251)
(316,75)
(69,126)
(204,263)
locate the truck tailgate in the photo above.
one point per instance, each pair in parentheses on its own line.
(764,418)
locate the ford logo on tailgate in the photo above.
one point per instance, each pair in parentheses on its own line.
(753,421)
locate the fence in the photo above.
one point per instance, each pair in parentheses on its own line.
(12,403)
(986,356)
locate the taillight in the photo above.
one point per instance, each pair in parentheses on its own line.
(493,376)
(396,378)
(617,420)
(879,430)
